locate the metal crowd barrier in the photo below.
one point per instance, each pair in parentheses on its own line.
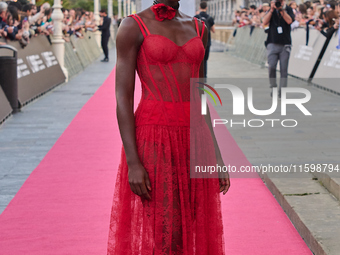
(38,69)
(5,107)
(306,60)
(303,58)
(71,60)
(327,75)
(93,50)
(251,46)
(8,77)
(80,52)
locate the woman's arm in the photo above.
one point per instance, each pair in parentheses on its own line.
(329,32)
(128,41)
(224,177)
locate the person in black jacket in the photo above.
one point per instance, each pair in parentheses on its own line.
(209,21)
(105,28)
(279,18)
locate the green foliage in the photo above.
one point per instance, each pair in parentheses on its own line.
(115,7)
(41,2)
(103,4)
(66,4)
(84,4)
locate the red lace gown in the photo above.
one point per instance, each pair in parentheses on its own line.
(184,214)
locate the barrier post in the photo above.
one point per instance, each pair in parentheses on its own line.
(124,8)
(119,9)
(9,79)
(109,9)
(97,34)
(58,41)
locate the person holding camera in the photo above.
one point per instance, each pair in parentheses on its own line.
(105,28)
(279,41)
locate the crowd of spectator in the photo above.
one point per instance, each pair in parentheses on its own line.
(318,14)
(22,22)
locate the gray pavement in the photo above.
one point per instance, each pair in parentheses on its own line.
(26,137)
(309,200)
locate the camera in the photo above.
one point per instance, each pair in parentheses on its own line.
(278,4)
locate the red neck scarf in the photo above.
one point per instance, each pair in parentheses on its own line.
(163,11)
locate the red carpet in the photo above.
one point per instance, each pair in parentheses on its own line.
(64,206)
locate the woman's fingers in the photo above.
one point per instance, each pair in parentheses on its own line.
(138,189)
(140,185)
(147,182)
(227,186)
(224,183)
(146,186)
(144,191)
(132,186)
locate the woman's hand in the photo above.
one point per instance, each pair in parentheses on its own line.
(139,181)
(223,178)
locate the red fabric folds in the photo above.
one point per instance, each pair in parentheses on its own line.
(183,216)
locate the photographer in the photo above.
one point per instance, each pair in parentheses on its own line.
(279,41)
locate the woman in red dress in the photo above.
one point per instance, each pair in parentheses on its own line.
(157,208)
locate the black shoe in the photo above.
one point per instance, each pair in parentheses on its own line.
(105,60)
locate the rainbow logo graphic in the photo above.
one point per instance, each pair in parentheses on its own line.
(209,93)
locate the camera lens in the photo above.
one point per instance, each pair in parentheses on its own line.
(277,4)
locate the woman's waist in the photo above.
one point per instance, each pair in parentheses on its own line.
(163,113)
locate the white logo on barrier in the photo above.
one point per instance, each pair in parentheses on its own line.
(35,63)
(239,101)
(304,53)
(22,68)
(50,59)
(334,59)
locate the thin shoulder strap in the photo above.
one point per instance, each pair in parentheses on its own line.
(197,29)
(140,24)
(203,26)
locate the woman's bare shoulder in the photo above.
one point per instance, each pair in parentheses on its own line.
(128,32)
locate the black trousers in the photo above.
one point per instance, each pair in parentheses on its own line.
(105,41)
(206,56)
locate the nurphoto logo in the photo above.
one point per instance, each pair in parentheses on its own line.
(238,104)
